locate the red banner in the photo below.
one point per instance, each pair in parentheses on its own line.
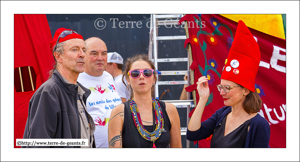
(32,62)
(210,37)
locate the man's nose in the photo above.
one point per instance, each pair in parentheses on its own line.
(100,57)
(82,53)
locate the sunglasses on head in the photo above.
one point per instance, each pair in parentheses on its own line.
(63,35)
(136,73)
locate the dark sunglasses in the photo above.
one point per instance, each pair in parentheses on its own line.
(63,35)
(136,73)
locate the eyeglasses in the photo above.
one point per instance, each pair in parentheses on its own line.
(226,88)
(136,73)
(63,35)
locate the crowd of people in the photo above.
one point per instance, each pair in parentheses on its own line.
(89,96)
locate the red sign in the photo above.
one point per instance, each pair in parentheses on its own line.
(210,37)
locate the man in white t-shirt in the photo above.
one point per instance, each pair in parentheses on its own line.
(104,96)
(114,67)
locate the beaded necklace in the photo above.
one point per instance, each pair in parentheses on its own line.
(153,136)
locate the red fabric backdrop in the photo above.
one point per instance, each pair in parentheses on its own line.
(210,37)
(32,38)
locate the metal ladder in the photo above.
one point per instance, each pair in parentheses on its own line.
(156,21)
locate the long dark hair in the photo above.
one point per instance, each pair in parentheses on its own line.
(129,62)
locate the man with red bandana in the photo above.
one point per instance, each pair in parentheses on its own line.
(58,107)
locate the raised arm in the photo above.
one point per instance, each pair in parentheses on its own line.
(203,91)
(115,127)
(175,133)
(183,95)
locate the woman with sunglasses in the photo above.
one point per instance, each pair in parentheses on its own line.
(143,121)
(238,123)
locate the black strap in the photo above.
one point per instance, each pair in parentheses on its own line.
(154,123)
(162,104)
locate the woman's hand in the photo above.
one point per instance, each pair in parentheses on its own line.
(185,78)
(203,88)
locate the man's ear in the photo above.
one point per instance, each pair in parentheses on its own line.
(57,57)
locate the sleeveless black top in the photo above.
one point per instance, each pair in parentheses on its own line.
(131,137)
(235,139)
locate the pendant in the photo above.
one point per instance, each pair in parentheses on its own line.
(153,145)
(153,138)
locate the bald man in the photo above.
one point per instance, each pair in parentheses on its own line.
(103,97)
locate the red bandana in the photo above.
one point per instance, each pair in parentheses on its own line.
(58,32)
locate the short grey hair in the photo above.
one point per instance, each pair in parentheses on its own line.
(59,48)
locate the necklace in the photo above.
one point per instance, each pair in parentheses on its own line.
(149,136)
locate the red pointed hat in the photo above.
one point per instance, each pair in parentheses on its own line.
(242,63)
(65,38)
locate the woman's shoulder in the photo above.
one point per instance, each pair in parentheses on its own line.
(172,114)
(169,106)
(117,116)
(118,109)
(171,110)
(258,120)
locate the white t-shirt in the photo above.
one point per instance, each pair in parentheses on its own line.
(101,101)
(121,87)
